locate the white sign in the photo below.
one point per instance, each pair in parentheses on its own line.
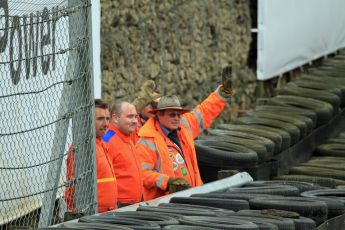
(96,47)
(294,32)
(34,45)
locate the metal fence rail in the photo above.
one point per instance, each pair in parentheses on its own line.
(46,98)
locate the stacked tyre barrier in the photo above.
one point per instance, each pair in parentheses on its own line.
(326,167)
(280,131)
(264,205)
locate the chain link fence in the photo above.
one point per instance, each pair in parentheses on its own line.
(46,98)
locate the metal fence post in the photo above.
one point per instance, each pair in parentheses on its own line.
(78,97)
(84,151)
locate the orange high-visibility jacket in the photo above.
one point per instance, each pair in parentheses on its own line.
(106,180)
(135,134)
(155,149)
(125,160)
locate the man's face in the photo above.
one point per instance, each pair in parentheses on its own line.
(146,111)
(170,118)
(127,121)
(101,121)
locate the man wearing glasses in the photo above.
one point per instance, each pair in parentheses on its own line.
(166,142)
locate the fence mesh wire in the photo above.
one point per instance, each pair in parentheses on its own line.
(46,99)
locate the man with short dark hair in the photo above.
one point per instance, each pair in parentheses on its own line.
(122,153)
(106,180)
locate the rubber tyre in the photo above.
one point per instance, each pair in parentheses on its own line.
(318,86)
(323,110)
(336,166)
(281,223)
(327,159)
(179,210)
(130,222)
(322,181)
(307,122)
(337,150)
(302,186)
(339,91)
(322,172)
(93,226)
(248,140)
(316,210)
(325,96)
(284,190)
(286,138)
(301,223)
(323,77)
(189,206)
(293,131)
(231,195)
(289,110)
(334,198)
(336,141)
(261,223)
(271,135)
(332,193)
(187,227)
(225,154)
(303,127)
(220,222)
(155,217)
(261,151)
(328,72)
(229,204)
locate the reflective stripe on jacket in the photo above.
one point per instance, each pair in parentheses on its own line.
(125,160)
(153,147)
(106,180)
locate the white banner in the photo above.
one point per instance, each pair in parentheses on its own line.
(31,69)
(35,61)
(294,32)
(96,47)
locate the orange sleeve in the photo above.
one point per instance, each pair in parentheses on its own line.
(69,192)
(204,114)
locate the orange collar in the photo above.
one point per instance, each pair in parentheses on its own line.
(123,137)
(150,129)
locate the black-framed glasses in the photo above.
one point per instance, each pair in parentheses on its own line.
(174,114)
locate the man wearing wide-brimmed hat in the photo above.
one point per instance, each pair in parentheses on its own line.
(166,141)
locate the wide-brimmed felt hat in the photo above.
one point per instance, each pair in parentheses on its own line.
(169,102)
